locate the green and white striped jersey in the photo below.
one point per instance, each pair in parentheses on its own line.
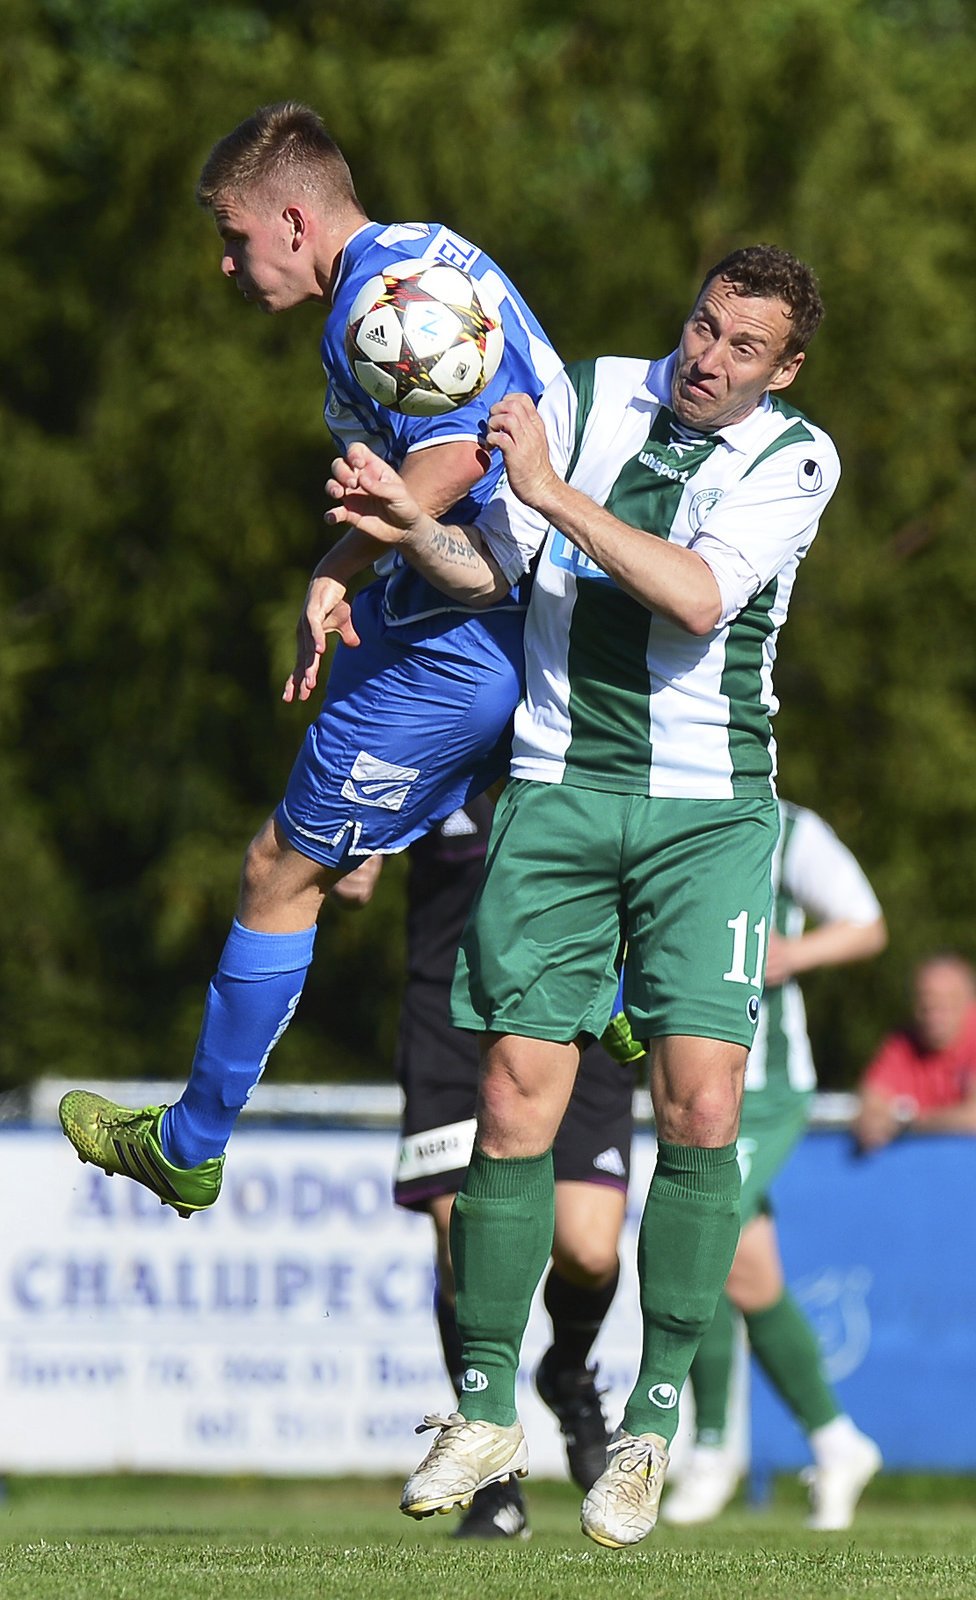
(814,876)
(621,699)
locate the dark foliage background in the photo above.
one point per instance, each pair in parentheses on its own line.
(164,457)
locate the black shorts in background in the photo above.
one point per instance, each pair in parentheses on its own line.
(437,1066)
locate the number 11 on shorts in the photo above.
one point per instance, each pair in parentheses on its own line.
(740,940)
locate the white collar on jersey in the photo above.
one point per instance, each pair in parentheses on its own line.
(346,254)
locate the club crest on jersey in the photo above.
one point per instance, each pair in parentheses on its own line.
(702,504)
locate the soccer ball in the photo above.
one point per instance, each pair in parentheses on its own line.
(423,338)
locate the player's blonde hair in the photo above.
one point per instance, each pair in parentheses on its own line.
(288,141)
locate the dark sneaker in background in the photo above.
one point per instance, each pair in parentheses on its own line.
(573,1398)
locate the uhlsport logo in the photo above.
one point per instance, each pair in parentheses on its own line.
(474,1381)
(663,469)
(664,1395)
(752,1008)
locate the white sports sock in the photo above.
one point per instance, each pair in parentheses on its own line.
(834,1440)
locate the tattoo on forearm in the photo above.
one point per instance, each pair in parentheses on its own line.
(447,546)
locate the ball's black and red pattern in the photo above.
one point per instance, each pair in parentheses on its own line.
(423,338)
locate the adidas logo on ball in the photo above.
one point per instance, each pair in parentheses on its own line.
(423,338)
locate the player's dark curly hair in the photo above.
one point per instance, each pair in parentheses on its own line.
(773,274)
(285,138)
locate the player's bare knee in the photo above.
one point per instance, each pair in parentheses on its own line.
(514,1118)
(505,1119)
(588,1263)
(525,1087)
(709,1116)
(260,860)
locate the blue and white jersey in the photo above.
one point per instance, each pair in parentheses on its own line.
(528,363)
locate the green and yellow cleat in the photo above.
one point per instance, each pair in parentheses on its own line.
(119,1140)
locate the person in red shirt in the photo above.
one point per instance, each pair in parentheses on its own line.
(924,1076)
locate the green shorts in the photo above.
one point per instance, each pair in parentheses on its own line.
(573,875)
(768,1133)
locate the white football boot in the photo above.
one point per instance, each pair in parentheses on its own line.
(841,1474)
(463,1458)
(708,1482)
(622,1505)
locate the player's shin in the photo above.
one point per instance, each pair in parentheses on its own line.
(250,1003)
(711,1375)
(789,1353)
(688,1236)
(501,1236)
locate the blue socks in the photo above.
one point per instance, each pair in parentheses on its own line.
(250,1002)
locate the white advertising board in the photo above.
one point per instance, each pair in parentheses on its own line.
(287,1331)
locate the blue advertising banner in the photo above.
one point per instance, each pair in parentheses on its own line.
(880,1250)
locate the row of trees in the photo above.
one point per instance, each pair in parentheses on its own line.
(164,455)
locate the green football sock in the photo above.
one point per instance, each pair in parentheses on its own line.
(688,1236)
(786,1348)
(711,1375)
(501,1237)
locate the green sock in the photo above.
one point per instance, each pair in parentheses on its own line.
(711,1375)
(786,1348)
(688,1236)
(501,1238)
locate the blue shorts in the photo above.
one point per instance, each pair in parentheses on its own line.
(416,720)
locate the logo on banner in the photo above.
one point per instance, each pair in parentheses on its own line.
(837,1304)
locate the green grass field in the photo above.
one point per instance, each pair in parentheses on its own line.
(196,1539)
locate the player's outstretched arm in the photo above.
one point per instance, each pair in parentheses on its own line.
(436,478)
(374,499)
(662,576)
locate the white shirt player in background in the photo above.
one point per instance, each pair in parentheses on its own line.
(815,877)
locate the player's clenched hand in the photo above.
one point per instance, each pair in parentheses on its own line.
(372,497)
(326,611)
(515,427)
